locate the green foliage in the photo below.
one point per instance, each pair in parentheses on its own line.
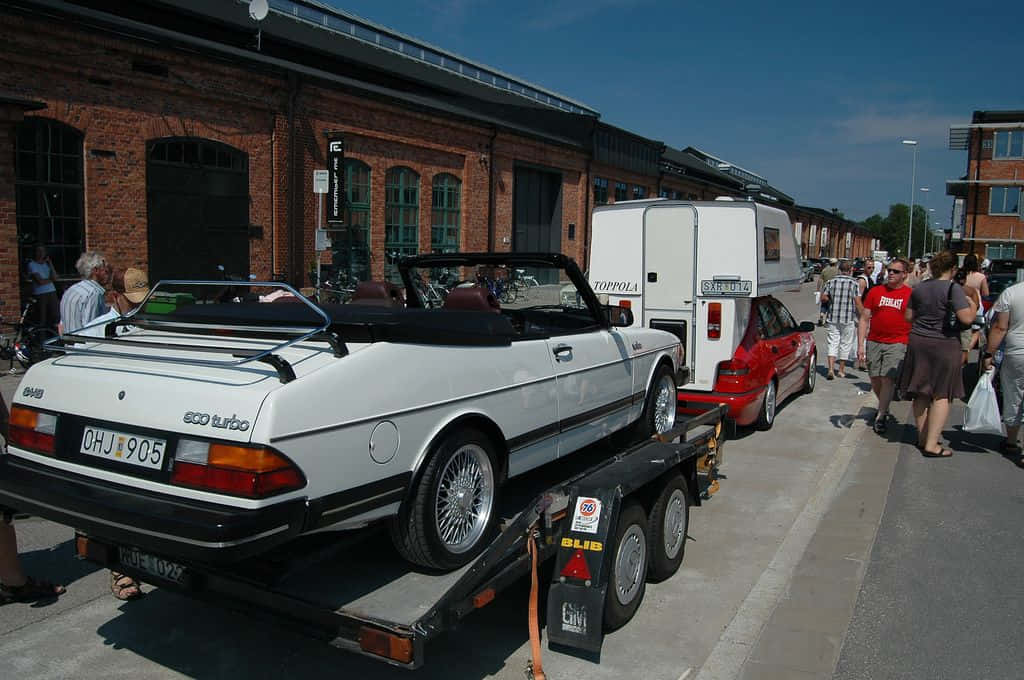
(891,230)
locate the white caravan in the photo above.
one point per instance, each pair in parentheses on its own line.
(693,268)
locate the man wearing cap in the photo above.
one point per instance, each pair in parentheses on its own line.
(130,288)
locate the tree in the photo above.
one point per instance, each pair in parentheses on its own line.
(891,230)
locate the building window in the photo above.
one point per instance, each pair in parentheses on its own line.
(1001,251)
(665,193)
(621,192)
(48,190)
(1009,144)
(600,190)
(639,192)
(352,245)
(401,214)
(444,227)
(1004,201)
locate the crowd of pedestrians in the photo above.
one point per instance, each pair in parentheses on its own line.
(915,324)
(101,294)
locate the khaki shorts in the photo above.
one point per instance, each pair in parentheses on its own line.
(885,358)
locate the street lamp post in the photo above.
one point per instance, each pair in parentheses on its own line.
(913,181)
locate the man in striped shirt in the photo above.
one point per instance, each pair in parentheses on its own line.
(84,301)
(841,293)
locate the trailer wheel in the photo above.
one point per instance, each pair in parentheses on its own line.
(628,577)
(812,373)
(451,514)
(766,417)
(666,529)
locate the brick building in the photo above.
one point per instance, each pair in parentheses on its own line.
(179,135)
(987,212)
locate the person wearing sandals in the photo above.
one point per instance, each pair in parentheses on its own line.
(885,345)
(15,585)
(1008,326)
(931,373)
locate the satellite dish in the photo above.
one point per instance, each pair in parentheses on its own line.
(258,10)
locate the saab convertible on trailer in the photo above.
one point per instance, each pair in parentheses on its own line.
(216,430)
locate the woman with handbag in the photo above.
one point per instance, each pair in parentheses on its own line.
(939,309)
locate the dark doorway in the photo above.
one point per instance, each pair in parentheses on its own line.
(537,216)
(198,207)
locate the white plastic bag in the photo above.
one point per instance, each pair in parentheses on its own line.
(982,413)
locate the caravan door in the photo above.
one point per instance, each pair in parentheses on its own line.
(670,251)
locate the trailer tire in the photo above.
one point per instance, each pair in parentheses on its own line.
(666,529)
(628,570)
(443,497)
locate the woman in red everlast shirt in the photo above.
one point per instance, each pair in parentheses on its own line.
(886,343)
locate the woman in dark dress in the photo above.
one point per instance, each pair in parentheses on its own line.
(931,369)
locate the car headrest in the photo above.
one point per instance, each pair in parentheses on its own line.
(376,293)
(472,298)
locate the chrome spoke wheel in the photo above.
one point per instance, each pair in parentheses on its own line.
(812,372)
(630,564)
(769,402)
(664,404)
(465,498)
(674,530)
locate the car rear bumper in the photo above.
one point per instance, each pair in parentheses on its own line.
(743,407)
(188,529)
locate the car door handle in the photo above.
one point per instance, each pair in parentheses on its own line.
(775,350)
(793,342)
(562,352)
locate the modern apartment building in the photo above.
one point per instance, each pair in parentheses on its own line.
(987,216)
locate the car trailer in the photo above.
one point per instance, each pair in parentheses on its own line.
(616,522)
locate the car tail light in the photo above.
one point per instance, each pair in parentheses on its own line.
(733,367)
(714,320)
(626,304)
(249,471)
(33,430)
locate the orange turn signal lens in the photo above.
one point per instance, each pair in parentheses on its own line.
(245,458)
(23,417)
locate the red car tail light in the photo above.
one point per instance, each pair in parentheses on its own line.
(239,470)
(714,320)
(733,367)
(33,430)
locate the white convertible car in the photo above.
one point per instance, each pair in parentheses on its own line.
(213,431)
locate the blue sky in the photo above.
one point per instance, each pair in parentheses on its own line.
(814,96)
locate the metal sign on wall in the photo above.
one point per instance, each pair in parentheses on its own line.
(336,188)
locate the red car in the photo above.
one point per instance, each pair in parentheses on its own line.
(776,358)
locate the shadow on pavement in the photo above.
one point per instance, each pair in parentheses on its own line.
(56,564)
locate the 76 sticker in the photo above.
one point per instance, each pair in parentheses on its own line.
(587,515)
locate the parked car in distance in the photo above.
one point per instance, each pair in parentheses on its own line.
(809,270)
(997,283)
(775,359)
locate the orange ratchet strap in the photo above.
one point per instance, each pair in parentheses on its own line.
(536,670)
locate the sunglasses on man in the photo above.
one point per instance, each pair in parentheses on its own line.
(896,271)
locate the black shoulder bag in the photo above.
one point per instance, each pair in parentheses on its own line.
(951,324)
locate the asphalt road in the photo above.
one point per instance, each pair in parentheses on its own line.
(772,573)
(943,596)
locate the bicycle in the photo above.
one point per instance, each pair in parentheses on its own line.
(27,343)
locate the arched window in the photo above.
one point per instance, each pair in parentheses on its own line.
(48,189)
(402,212)
(352,245)
(444,226)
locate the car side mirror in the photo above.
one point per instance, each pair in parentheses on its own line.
(806,327)
(619,317)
